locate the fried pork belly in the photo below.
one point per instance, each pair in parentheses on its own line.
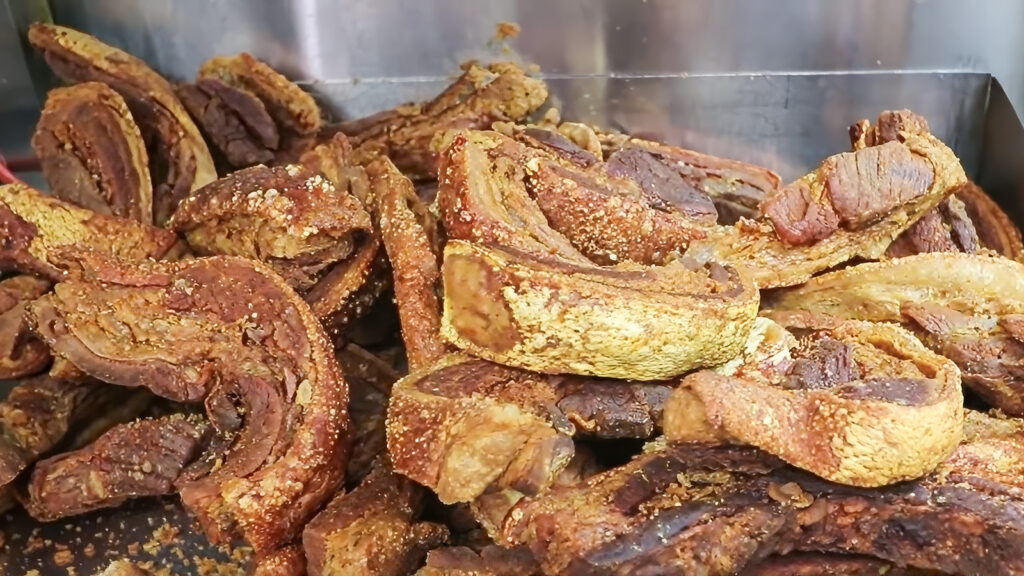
(232,333)
(466,426)
(369,380)
(248,109)
(286,561)
(861,404)
(948,227)
(141,458)
(92,152)
(39,413)
(21,352)
(409,232)
(811,564)
(962,306)
(500,92)
(518,292)
(852,206)
(372,530)
(179,160)
(994,228)
(36,227)
(683,177)
(490,561)
(700,509)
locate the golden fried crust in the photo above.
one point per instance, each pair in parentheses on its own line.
(772,263)
(231,332)
(413,261)
(519,293)
(92,152)
(898,419)
(57,224)
(290,106)
(542,314)
(875,291)
(995,229)
(78,57)
(21,352)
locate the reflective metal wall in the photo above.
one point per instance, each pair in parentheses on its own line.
(754,79)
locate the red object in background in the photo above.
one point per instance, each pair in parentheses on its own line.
(6,176)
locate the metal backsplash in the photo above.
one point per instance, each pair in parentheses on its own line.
(774,82)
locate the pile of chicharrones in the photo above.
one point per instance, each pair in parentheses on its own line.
(464,337)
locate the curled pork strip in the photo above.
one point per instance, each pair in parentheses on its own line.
(963,306)
(861,404)
(465,426)
(852,206)
(92,152)
(230,332)
(701,509)
(500,92)
(133,460)
(36,226)
(373,530)
(179,160)
(21,352)
(518,292)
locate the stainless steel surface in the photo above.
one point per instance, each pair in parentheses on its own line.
(18,103)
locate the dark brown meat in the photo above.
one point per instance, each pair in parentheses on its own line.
(92,152)
(736,188)
(859,403)
(465,426)
(143,458)
(290,217)
(38,414)
(36,227)
(372,531)
(287,561)
(501,92)
(996,231)
(698,509)
(369,381)
(231,332)
(991,359)
(490,561)
(234,120)
(661,183)
(852,190)
(811,564)
(21,352)
(409,233)
(887,128)
(179,160)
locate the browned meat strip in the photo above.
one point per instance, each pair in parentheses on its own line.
(142,458)
(372,530)
(699,509)
(501,92)
(92,152)
(948,228)
(369,381)
(736,188)
(861,404)
(290,217)
(409,234)
(36,227)
(490,561)
(518,292)
(465,426)
(852,206)
(962,306)
(887,128)
(287,561)
(178,157)
(996,231)
(21,352)
(231,332)
(38,414)
(811,564)
(234,120)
